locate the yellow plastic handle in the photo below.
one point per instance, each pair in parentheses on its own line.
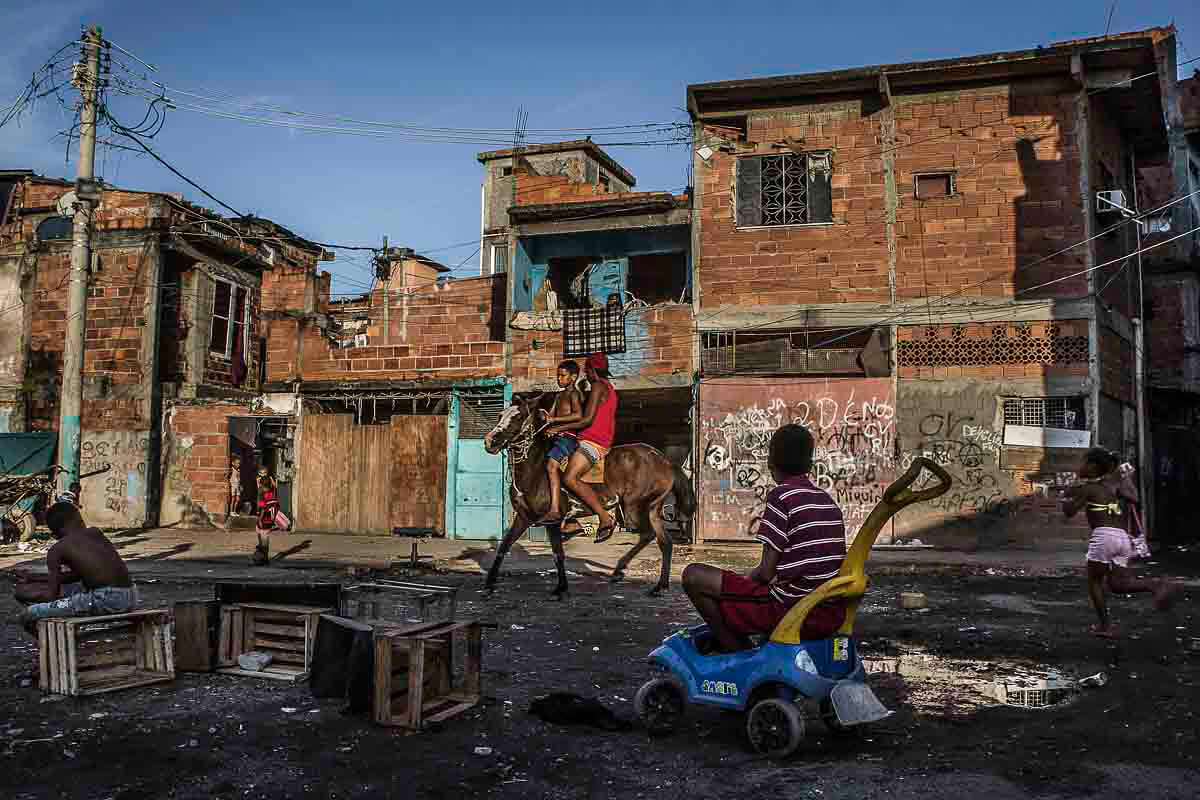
(899,495)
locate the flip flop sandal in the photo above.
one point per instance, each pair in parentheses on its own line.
(605,533)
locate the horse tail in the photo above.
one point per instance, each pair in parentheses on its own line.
(685,498)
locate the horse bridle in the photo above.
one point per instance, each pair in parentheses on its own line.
(518,449)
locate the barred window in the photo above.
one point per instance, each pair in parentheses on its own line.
(784,189)
(1046,412)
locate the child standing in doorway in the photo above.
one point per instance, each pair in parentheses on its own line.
(235,485)
(1107,498)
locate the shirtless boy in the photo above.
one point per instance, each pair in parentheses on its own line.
(86,574)
(1106,497)
(568,407)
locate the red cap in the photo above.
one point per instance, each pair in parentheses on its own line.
(597,361)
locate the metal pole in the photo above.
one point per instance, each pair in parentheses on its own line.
(71,401)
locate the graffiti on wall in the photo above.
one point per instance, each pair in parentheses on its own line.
(853,422)
(116,497)
(966,440)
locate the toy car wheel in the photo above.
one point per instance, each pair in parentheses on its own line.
(836,729)
(775,727)
(659,704)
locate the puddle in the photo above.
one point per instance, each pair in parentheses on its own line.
(951,686)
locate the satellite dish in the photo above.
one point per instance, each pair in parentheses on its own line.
(66,204)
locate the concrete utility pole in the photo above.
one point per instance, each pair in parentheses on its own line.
(87,80)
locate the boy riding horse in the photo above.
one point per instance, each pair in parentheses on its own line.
(597,429)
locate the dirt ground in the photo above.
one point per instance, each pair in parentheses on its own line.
(213,736)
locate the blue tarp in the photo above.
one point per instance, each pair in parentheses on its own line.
(27,453)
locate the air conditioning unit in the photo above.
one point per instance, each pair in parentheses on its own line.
(1111,200)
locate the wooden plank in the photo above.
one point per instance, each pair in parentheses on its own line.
(416,684)
(291,631)
(164,613)
(43,658)
(418,472)
(287,645)
(96,676)
(168,650)
(375,479)
(68,634)
(128,683)
(452,711)
(197,623)
(284,609)
(382,701)
(106,658)
(277,674)
(472,678)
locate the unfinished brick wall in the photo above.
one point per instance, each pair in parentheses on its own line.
(195,462)
(995,350)
(448,332)
(1117,365)
(289,288)
(1173,331)
(658,342)
(1014,157)
(113,359)
(535,190)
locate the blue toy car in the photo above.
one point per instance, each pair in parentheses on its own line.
(772,680)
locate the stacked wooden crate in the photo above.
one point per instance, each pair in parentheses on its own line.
(91,655)
(284,632)
(414,682)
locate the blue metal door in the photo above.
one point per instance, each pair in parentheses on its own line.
(475,492)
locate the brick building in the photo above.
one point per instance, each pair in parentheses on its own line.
(394,390)
(173,329)
(913,259)
(585,247)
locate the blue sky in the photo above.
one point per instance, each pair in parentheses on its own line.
(467,65)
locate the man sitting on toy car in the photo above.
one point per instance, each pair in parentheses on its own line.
(804,543)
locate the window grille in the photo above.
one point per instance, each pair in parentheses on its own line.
(1045,412)
(784,189)
(933,350)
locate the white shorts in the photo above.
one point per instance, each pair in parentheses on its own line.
(1111,546)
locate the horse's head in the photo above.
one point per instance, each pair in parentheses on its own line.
(514,420)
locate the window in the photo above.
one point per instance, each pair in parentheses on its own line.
(229,318)
(785,189)
(1046,412)
(605,182)
(505,172)
(929,185)
(499,258)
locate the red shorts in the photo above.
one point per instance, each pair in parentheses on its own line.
(748,608)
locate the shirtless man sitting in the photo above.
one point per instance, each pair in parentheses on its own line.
(94,582)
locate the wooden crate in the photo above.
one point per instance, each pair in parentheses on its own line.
(91,655)
(197,631)
(285,632)
(399,602)
(414,683)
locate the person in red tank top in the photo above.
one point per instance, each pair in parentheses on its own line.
(597,429)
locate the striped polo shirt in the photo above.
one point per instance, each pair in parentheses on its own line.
(805,526)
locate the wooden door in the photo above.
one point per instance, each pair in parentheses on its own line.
(419,472)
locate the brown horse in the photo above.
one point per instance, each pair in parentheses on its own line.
(637,478)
